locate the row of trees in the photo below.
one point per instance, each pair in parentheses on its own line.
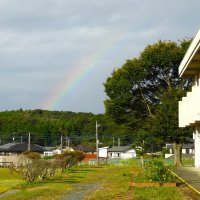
(32,167)
(143,94)
(46,127)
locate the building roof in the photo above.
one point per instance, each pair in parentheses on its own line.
(191,61)
(185,146)
(84,148)
(20,147)
(119,149)
(49,148)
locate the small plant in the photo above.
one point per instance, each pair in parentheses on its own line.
(155,171)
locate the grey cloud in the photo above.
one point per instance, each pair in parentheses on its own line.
(42,40)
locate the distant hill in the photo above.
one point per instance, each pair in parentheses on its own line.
(46,127)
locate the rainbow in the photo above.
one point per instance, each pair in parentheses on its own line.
(77,73)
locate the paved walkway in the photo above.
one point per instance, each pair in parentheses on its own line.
(190,175)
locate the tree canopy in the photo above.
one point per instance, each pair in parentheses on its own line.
(46,127)
(144,92)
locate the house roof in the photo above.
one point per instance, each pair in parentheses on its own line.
(185,146)
(84,148)
(20,147)
(49,148)
(119,149)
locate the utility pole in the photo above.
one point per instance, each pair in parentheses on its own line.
(67,142)
(29,141)
(97,143)
(113,141)
(61,141)
(21,139)
(118,142)
(13,136)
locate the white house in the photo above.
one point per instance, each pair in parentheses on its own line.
(122,152)
(187,149)
(189,106)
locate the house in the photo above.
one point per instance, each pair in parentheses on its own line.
(9,152)
(189,105)
(187,149)
(85,149)
(51,151)
(17,148)
(122,152)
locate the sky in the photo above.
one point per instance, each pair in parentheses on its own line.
(56,54)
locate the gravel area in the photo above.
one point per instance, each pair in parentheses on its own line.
(9,192)
(80,191)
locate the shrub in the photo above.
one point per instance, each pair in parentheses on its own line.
(156,171)
(69,158)
(31,155)
(32,167)
(47,157)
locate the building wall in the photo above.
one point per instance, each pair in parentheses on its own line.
(7,160)
(122,155)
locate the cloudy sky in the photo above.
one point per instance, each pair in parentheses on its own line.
(56,54)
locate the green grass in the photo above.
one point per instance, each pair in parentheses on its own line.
(157,193)
(113,182)
(188,162)
(52,188)
(8,180)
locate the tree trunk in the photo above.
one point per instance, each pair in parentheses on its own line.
(177,154)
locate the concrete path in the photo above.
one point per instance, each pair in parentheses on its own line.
(190,175)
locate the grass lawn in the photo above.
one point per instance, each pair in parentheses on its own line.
(157,193)
(52,188)
(188,162)
(113,185)
(8,180)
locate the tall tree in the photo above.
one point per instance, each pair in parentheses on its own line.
(140,88)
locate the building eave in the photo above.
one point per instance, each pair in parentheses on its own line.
(190,64)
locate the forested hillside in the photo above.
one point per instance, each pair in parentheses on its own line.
(46,127)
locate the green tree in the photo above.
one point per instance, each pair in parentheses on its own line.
(139,89)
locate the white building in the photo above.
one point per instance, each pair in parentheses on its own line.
(122,152)
(187,149)
(103,152)
(189,106)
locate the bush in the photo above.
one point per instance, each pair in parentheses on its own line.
(31,167)
(155,171)
(48,157)
(70,158)
(31,155)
